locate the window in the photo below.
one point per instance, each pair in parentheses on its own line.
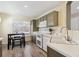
(21,27)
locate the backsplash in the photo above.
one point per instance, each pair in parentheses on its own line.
(74,35)
(46,29)
(56,29)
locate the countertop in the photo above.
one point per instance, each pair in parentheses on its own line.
(66,49)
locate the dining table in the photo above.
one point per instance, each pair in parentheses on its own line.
(19,36)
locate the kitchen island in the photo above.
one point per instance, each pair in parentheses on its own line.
(62,50)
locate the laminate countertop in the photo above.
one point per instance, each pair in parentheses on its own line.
(69,50)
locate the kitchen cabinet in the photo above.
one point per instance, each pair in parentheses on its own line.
(52,19)
(34,39)
(41,19)
(43,22)
(45,40)
(35,25)
(45,19)
(52,53)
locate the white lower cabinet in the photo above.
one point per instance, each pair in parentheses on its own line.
(45,40)
(45,47)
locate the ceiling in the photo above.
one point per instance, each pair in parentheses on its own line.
(34,9)
(74,10)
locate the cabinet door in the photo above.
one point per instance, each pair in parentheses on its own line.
(34,38)
(45,40)
(34,25)
(45,47)
(41,19)
(45,19)
(37,23)
(53,53)
(43,22)
(52,19)
(35,28)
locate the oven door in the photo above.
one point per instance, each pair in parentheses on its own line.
(39,41)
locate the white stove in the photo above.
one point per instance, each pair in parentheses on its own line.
(39,40)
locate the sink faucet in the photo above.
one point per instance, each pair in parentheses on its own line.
(67,35)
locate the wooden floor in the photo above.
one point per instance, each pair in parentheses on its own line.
(30,50)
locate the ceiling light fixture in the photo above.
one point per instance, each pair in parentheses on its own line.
(25,6)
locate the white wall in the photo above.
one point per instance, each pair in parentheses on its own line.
(75,23)
(6,29)
(0,29)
